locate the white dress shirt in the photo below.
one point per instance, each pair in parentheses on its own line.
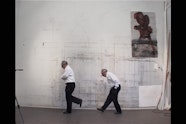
(68,75)
(112,80)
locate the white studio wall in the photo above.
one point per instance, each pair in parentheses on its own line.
(90,35)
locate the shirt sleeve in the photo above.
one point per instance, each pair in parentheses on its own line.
(65,75)
(116,83)
(114,80)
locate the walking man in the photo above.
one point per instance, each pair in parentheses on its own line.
(113,94)
(68,76)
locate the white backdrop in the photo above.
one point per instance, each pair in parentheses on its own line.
(90,35)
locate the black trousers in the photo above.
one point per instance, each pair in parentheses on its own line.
(69,98)
(112,97)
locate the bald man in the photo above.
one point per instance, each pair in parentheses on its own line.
(113,94)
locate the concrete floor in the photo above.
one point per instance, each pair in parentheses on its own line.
(82,116)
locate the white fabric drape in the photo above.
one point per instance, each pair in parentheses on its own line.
(165,98)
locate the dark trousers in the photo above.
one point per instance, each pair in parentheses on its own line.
(69,98)
(113,96)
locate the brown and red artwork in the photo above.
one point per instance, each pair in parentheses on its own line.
(143,45)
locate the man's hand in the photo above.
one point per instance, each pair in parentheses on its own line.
(64,78)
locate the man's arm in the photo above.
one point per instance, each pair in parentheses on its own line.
(116,84)
(65,75)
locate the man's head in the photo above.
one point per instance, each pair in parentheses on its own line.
(64,64)
(104,72)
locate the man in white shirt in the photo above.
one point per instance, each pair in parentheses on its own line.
(113,95)
(68,76)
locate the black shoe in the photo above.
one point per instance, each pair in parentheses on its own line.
(80,103)
(117,112)
(65,112)
(99,109)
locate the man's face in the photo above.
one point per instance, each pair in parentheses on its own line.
(63,66)
(103,74)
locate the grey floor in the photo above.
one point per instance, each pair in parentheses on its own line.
(30,115)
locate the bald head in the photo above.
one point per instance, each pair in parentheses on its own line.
(104,72)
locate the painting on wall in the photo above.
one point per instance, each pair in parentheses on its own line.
(144,42)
